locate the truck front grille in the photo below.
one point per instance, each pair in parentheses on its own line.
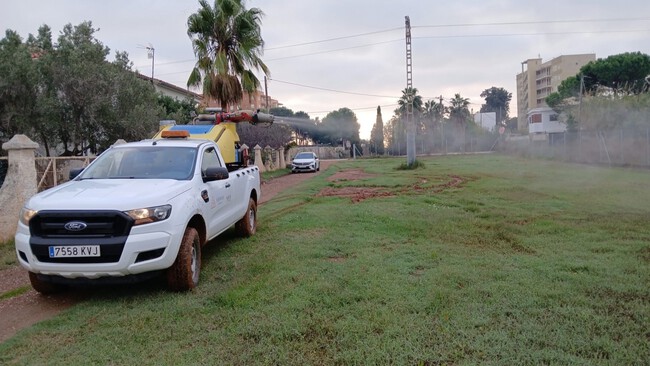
(108,229)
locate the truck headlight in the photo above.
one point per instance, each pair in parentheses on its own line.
(150,214)
(26,214)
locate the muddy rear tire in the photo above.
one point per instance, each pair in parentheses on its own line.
(183,275)
(247,225)
(44,287)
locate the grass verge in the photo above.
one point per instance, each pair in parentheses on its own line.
(14,292)
(7,255)
(471,260)
(275,174)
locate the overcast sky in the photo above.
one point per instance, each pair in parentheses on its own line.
(328,54)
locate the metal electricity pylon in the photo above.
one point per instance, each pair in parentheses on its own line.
(410,123)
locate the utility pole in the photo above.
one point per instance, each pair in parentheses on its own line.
(266,94)
(582,87)
(151,53)
(442,126)
(410,123)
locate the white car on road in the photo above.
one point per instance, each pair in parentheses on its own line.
(305,162)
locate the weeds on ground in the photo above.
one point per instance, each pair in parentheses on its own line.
(7,254)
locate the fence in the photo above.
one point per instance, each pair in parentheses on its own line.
(624,147)
(447,142)
(52,171)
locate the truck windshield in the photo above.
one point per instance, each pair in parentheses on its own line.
(143,162)
(304,156)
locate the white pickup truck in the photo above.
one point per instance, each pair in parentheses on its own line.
(139,210)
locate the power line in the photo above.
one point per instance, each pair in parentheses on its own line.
(534,34)
(425,37)
(335,50)
(355,109)
(333,90)
(464,25)
(449,26)
(332,39)
(533,22)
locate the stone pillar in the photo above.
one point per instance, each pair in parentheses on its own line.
(258,158)
(19,185)
(282,163)
(269,158)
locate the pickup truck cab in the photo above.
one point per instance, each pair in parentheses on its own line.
(140,209)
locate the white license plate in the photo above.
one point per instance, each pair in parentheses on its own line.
(75,251)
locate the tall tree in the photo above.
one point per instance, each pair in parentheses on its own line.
(180,111)
(497,100)
(228,44)
(568,89)
(410,99)
(459,113)
(624,73)
(404,100)
(377,135)
(395,135)
(433,115)
(340,126)
(18,80)
(71,97)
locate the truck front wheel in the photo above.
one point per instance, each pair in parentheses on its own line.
(183,275)
(43,286)
(247,225)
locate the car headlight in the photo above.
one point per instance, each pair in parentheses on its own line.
(26,214)
(149,214)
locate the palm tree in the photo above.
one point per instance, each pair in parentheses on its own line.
(410,99)
(228,45)
(403,102)
(458,113)
(433,114)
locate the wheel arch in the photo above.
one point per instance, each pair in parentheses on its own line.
(253,195)
(198,223)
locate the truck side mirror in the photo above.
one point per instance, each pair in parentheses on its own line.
(74,173)
(215,173)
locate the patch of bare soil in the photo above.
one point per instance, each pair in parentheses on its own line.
(358,194)
(346,175)
(29,308)
(13,278)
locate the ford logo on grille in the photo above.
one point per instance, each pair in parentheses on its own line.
(75,225)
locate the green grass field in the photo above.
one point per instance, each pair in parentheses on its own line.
(471,260)
(7,255)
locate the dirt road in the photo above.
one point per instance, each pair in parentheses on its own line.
(30,307)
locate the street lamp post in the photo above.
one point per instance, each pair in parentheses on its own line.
(151,53)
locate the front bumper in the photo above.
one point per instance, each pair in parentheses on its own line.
(147,248)
(303,168)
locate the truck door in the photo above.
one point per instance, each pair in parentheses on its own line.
(217,195)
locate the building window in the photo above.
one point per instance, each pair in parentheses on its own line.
(552,117)
(535,118)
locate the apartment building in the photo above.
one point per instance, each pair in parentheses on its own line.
(538,80)
(256,100)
